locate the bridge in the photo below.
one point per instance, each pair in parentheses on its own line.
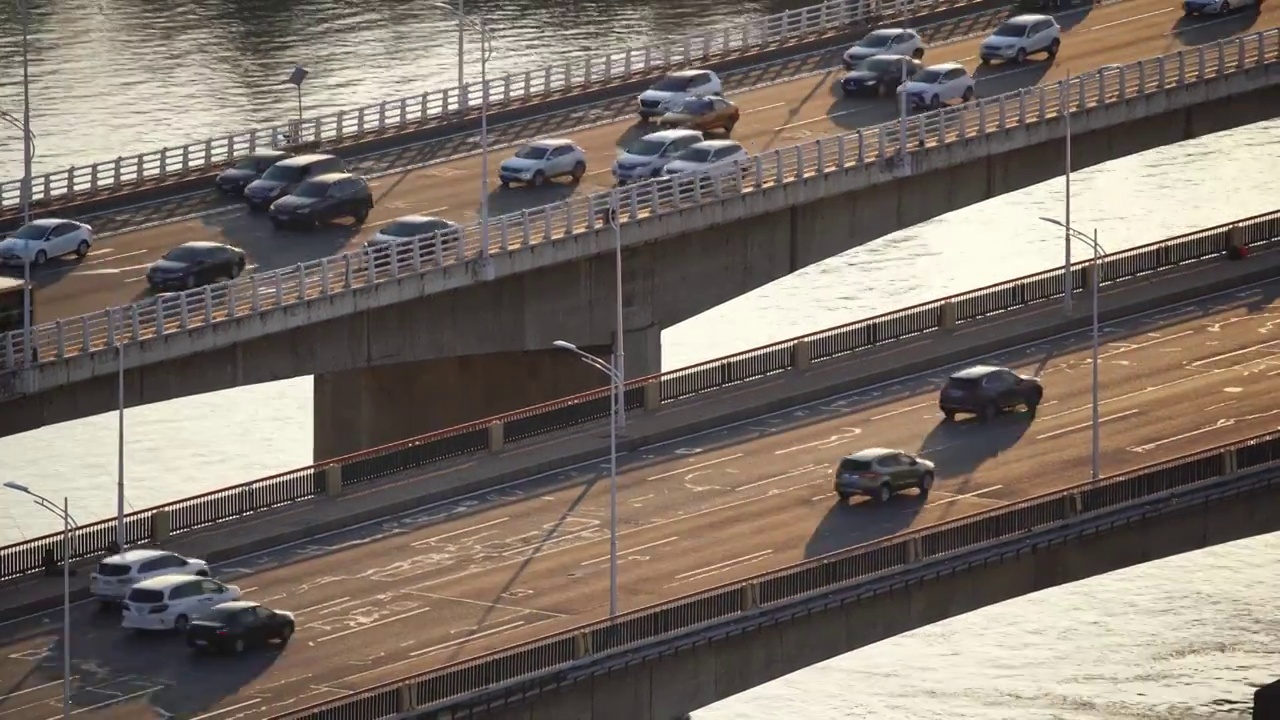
(493,531)
(357,325)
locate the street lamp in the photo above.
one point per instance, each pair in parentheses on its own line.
(618,356)
(616,380)
(67,522)
(1067,284)
(120,438)
(486,49)
(1092,242)
(295,79)
(28,156)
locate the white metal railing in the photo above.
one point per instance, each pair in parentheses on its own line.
(435,106)
(178,312)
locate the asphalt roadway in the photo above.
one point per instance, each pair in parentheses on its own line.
(424,589)
(779,115)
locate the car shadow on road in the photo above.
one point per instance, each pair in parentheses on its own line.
(862,520)
(1196,31)
(1006,77)
(270,248)
(515,198)
(970,442)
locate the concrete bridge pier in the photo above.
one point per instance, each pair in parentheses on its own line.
(366,407)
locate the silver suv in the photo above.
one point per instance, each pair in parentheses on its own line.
(645,157)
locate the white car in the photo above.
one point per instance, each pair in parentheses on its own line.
(171,602)
(411,229)
(885,41)
(1021,36)
(645,157)
(1213,7)
(117,574)
(938,85)
(45,239)
(709,158)
(675,87)
(542,160)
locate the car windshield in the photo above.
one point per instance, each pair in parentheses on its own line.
(693,106)
(876,40)
(928,76)
(112,570)
(850,465)
(645,147)
(283,174)
(671,83)
(312,189)
(878,64)
(532,152)
(185,254)
(246,164)
(408,228)
(31,232)
(138,595)
(1010,30)
(221,614)
(695,154)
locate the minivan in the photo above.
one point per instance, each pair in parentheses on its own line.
(280,179)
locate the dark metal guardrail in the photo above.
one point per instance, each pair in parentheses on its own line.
(577,646)
(228,504)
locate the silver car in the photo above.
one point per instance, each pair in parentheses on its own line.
(881,472)
(543,160)
(46,239)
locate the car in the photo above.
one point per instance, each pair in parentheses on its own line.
(280,179)
(116,574)
(938,85)
(879,473)
(1214,7)
(195,264)
(245,170)
(238,625)
(171,602)
(323,199)
(1020,36)
(542,160)
(644,157)
(713,158)
(879,75)
(412,228)
(987,391)
(46,239)
(885,41)
(701,112)
(677,86)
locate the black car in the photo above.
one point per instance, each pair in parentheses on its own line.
(280,179)
(195,264)
(237,625)
(986,391)
(879,75)
(324,199)
(245,170)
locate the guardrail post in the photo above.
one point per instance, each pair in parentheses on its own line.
(1235,237)
(333,480)
(85,345)
(1022,106)
(862,158)
(208,304)
(324,276)
(1075,505)
(159,525)
(1121,90)
(653,394)
(913,549)
(1229,466)
(61,336)
(581,645)
(497,438)
(1182,67)
(946,315)
(255,302)
(748,591)
(1142,78)
(800,355)
(405,694)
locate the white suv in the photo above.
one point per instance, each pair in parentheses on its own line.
(1021,36)
(938,85)
(645,157)
(709,158)
(171,602)
(676,87)
(117,574)
(885,41)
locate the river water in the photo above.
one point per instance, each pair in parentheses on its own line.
(1187,637)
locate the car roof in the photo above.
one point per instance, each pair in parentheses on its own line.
(300,160)
(203,245)
(943,67)
(48,222)
(669,135)
(716,144)
(870,454)
(974,372)
(332,177)
(164,582)
(421,219)
(236,605)
(889,56)
(686,73)
(136,555)
(1027,19)
(269,154)
(550,142)
(888,31)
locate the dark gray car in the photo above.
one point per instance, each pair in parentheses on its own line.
(245,170)
(881,472)
(987,391)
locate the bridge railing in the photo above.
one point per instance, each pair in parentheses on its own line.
(516,232)
(514,90)
(232,503)
(576,647)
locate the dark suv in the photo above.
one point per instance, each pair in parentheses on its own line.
(986,391)
(324,199)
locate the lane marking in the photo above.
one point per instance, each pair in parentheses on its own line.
(829,442)
(967,496)
(244,704)
(765,107)
(1228,422)
(827,117)
(1131,19)
(723,564)
(902,410)
(694,467)
(723,567)
(465,640)
(1224,356)
(430,540)
(793,473)
(371,625)
(110,259)
(321,605)
(631,550)
(483,603)
(1086,424)
(16,693)
(113,701)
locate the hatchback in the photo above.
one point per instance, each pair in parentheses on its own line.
(701,113)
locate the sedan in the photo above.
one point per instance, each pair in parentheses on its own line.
(542,160)
(238,625)
(881,472)
(45,239)
(196,264)
(412,229)
(939,85)
(701,113)
(879,75)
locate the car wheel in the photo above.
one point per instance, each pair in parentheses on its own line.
(968,95)
(918,53)
(361,215)
(504,183)
(1021,56)
(883,493)
(237,647)
(181,622)
(190,282)
(285,634)
(539,178)
(926,483)
(1053,47)
(949,415)
(204,572)
(935,102)
(1226,6)
(1032,403)
(277,224)
(579,170)
(989,412)
(728,127)
(40,258)
(237,269)
(844,496)
(82,249)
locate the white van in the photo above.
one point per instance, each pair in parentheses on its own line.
(171,602)
(115,575)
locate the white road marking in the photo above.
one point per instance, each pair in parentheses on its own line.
(827,117)
(113,701)
(792,473)
(321,605)
(409,614)
(966,496)
(467,639)
(228,709)
(763,107)
(484,603)
(1129,19)
(694,467)
(901,410)
(829,442)
(431,540)
(630,550)
(717,569)
(1228,422)
(111,259)
(725,563)
(1085,424)
(1223,356)
(16,693)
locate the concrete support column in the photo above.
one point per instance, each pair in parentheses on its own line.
(642,348)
